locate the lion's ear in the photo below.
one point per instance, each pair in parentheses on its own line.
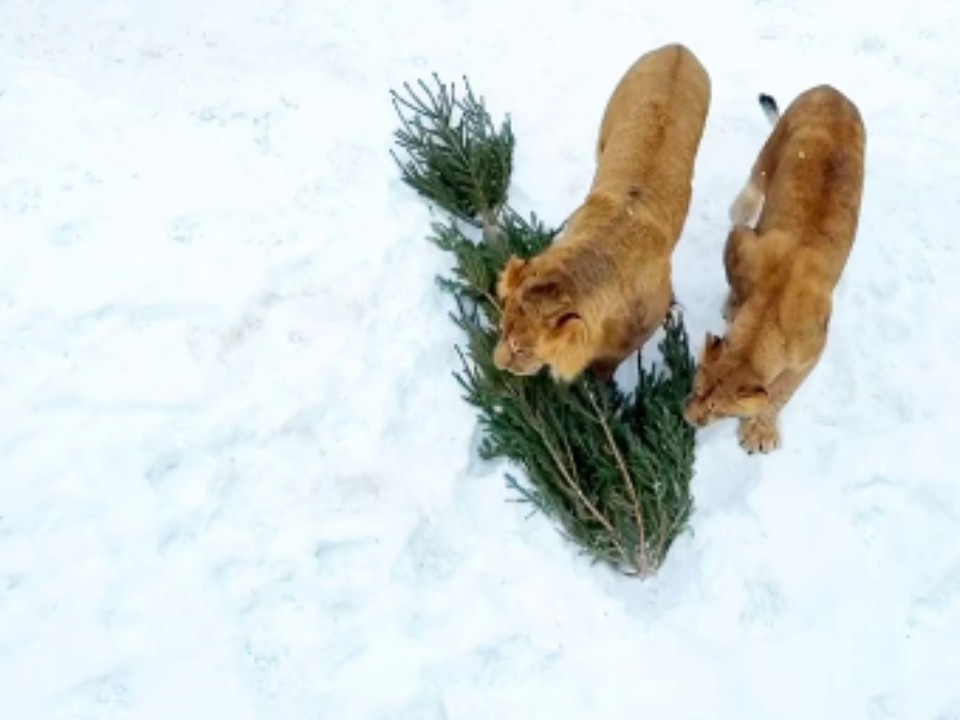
(561,320)
(568,347)
(712,348)
(549,293)
(511,277)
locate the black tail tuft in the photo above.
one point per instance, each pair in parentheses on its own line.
(770,108)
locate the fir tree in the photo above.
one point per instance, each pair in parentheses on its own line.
(612,469)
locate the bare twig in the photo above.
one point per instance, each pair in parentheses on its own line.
(572,484)
(641,561)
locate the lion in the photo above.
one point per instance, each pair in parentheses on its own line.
(602,289)
(806,187)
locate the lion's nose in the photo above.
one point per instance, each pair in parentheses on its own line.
(691,415)
(502,356)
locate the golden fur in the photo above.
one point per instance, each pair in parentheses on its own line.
(601,291)
(782,274)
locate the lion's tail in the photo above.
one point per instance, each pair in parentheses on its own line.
(769,107)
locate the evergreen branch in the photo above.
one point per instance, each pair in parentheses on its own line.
(627,480)
(612,470)
(457,158)
(578,492)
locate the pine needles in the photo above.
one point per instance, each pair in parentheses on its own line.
(612,470)
(455,155)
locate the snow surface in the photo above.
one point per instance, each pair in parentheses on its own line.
(236,478)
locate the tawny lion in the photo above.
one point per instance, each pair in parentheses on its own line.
(808,179)
(602,289)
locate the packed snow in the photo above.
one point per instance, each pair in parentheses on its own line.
(237,479)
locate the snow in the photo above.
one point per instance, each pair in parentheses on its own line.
(236,477)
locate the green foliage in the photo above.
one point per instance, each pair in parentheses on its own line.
(455,156)
(613,470)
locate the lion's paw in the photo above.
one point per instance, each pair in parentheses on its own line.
(759,434)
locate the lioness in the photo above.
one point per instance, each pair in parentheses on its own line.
(808,179)
(602,289)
